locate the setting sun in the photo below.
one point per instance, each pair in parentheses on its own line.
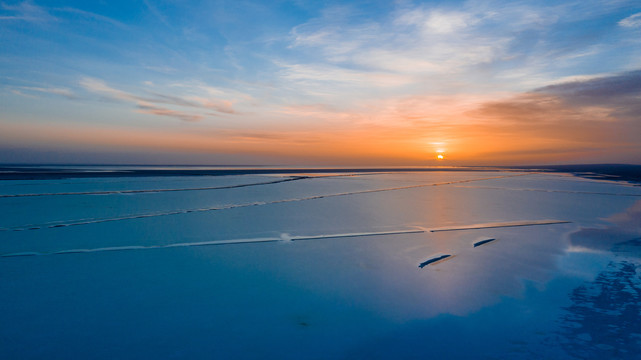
(440,156)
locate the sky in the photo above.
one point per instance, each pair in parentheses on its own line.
(320,82)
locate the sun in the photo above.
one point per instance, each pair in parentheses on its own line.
(439,149)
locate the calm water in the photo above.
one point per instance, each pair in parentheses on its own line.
(286,267)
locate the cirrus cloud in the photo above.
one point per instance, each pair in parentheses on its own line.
(148,103)
(631,21)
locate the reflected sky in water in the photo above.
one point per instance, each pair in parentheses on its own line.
(566,290)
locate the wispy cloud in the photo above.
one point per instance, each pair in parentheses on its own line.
(631,21)
(473,47)
(51,90)
(147,108)
(26,11)
(90,15)
(100,87)
(162,69)
(417,40)
(156,13)
(337,77)
(148,102)
(20,93)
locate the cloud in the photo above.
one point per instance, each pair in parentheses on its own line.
(594,117)
(49,90)
(631,21)
(620,93)
(156,13)
(100,87)
(221,106)
(87,14)
(310,74)
(162,69)
(605,98)
(419,40)
(26,11)
(146,108)
(437,21)
(604,89)
(522,108)
(148,103)
(414,49)
(170,99)
(472,47)
(18,92)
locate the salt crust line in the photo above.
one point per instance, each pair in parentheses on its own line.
(142,191)
(111,192)
(236,206)
(284,238)
(500,225)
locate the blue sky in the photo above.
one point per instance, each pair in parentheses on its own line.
(344,82)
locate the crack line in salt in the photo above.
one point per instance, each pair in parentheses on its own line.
(51,225)
(143,191)
(500,225)
(216,242)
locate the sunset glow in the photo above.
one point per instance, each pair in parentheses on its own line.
(380,83)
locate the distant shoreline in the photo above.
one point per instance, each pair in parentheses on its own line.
(616,172)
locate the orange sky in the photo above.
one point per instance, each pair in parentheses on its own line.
(528,128)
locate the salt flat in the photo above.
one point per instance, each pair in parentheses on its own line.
(318,266)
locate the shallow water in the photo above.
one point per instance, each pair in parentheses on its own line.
(251,267)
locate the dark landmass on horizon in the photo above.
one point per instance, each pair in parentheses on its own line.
(619,172)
